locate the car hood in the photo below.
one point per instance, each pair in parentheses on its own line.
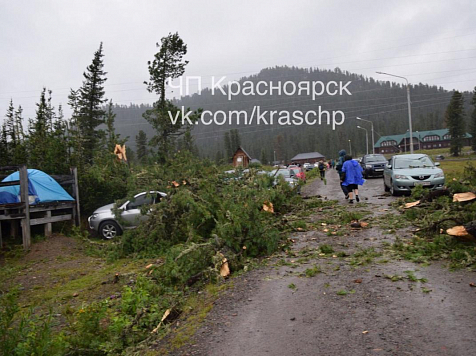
(417,171)
(104,209)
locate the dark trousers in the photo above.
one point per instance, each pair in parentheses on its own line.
(322,173)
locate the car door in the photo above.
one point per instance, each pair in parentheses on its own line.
(387,172)
(132,212)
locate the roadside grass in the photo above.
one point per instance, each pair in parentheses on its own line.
(455,169)
(343,292)
(195,310)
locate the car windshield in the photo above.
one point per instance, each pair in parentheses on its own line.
(282,172)
(422,162)
(294,171)
(375,158)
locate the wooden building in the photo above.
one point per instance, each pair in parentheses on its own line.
(241,158)
(309,157)
(422,140)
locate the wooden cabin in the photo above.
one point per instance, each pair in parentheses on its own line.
(241,158)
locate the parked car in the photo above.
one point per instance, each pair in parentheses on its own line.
(308,166)
(404,172)
(373,165)
(298,172)
(287,176)
(440,157)
(105,223)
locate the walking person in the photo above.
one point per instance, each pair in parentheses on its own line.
(351,178)
(339,165)
(322,169)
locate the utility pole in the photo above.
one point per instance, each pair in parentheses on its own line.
(409,107)
(366,139)
(372,129)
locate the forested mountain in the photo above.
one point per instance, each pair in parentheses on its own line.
(383,103)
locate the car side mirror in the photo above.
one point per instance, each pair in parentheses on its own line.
(389,166)
(437,164)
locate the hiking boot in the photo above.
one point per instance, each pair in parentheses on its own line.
(351,201)
(357,198)
(347,196)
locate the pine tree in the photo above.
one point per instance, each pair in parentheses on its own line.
(90,112)
(263,158)
(472,126)
(235,139)
(228,148)
(111,137)
(4,154)
(38,133)
(141,144)
(168,64)
(75,139)
(455,122)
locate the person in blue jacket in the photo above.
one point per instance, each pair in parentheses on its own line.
(352,177)
(339,165)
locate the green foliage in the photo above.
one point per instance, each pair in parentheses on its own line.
(424,250)
(472,124)
(206,205)
(102,183)
(454,118)
(89,110)
(26,333)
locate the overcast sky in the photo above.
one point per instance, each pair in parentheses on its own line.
(49,43)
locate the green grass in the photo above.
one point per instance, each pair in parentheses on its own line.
(364,257)
(345,292)
(311,272)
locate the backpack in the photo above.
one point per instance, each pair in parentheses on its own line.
(321,166)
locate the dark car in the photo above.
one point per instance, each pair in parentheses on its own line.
(373,165)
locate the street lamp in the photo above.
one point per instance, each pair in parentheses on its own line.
(372,129)
(350,148)
(366,138)
(409,107)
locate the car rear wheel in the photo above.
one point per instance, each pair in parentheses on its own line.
(109,230)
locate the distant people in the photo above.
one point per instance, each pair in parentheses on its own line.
(333,163)
(322,169)
(329,164)
(351,178)
(339,165)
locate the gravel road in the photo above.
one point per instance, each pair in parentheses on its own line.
(262,315)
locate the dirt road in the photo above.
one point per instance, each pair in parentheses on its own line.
(345,308)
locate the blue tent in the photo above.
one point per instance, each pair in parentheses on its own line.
(41,188)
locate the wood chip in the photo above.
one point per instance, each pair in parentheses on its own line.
(225,269)
(411,205)
(268,206)
(459,231)
(460,197)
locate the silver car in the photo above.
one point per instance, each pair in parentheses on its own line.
(104,221)
(404,172)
